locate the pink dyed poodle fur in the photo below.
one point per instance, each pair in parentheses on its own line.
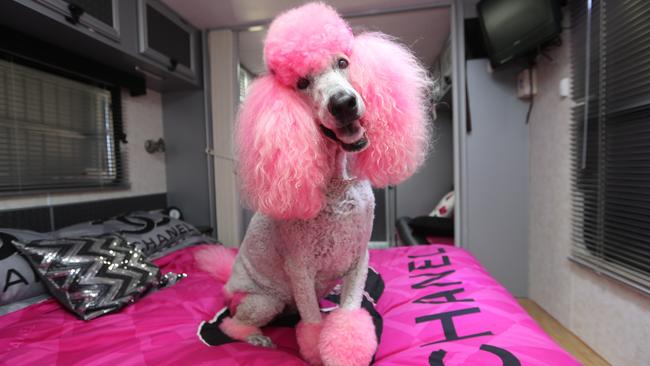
(311,187)
(285,174)
(345,333)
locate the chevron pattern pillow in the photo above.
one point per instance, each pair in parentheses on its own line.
(92,276)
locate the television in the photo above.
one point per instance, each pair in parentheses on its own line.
(512,28)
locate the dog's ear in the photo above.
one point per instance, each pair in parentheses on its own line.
(283,162)
(394,87)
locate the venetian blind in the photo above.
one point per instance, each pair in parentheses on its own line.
(55,133)
(610,50)
(245,80)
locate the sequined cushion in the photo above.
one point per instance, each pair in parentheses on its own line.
(92,276)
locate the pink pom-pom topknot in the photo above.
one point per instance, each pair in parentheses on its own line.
(300,41)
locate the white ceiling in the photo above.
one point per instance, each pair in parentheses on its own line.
(425,31)
(209,14)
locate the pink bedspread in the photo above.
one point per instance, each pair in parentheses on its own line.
(439,308)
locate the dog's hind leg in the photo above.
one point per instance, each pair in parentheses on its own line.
(253,312)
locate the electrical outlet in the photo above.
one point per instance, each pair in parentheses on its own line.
(564,88)
(527,83)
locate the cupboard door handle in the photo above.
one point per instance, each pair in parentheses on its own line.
(76,12)
(173,63)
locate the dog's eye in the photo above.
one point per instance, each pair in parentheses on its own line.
(302,83)
(343,63)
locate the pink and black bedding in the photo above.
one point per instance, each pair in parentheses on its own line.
(433,305)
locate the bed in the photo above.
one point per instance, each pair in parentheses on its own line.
(433,305)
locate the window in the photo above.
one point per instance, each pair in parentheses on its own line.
(56,133)
(610,45)
(245,80)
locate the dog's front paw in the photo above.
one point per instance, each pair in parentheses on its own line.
(307,335)
(235,329)
(348,338)
(260,341)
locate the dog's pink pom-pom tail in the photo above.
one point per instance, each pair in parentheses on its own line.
(348,338)
(217,261)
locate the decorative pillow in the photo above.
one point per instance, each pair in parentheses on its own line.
(18,281)
(93,276)
(154,233)
(445,207)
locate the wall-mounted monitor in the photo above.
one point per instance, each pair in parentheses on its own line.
(512,28)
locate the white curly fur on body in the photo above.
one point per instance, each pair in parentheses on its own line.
(296,262)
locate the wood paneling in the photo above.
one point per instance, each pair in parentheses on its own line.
(567,340)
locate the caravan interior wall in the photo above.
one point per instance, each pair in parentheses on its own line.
(143,120)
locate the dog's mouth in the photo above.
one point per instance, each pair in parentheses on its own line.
(351,138)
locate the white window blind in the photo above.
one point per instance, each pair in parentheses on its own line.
(245,80)
(610,45)
(55,133)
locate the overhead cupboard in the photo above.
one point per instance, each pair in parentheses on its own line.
(142,35)
(100,16)
(166,39)
(137,46)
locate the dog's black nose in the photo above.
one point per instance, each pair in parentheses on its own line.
(343,106)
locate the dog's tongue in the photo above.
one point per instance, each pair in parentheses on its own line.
(350,133)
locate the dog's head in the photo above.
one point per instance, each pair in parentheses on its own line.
(327,89)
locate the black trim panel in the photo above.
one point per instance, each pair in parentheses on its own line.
(49,218)
(42,55)
(37,219)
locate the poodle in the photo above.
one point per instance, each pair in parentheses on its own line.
(335,114)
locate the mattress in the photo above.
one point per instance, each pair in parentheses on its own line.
(433,305)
